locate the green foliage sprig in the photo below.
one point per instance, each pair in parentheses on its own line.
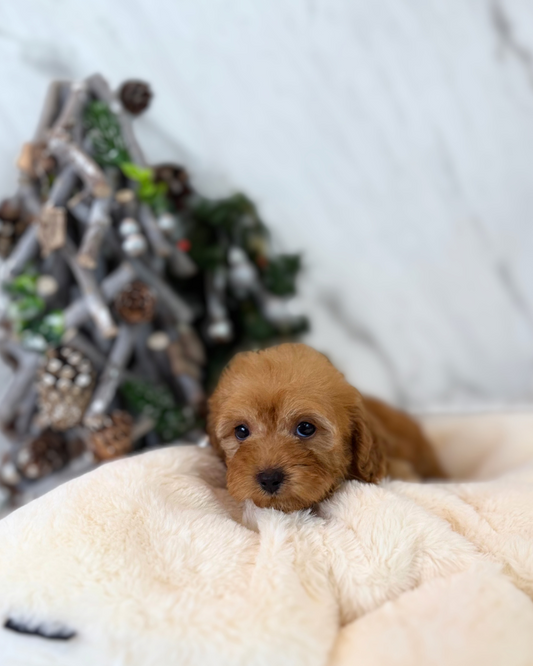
(157,402)
(26,312)
(103,130)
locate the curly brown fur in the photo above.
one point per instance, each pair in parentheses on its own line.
(270,392)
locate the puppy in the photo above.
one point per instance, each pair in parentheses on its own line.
(290,429)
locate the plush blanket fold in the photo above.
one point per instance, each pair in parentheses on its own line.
(148,560)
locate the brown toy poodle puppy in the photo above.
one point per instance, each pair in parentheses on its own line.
(290,429)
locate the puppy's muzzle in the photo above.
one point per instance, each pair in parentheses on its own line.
(271,480)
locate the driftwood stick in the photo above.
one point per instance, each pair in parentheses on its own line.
(94,300)
(56,267)
(111,376)
(50,110)
(135,151)
(62,187)
(29,197)
(27,365)
(99,223)
(73,107)
(100,88)
(80,210)
(25,249)
(77,312)
(145,366)
(181,312)
(181,264)
(27,246)
(159,243)
(26,410)
(192,389)
(141,428)
(63,147)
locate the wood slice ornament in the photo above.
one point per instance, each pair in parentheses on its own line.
(35,160)
(114,437)
(136,303)
(52,229)
(64,389)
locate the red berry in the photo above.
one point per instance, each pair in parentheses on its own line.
(184,245)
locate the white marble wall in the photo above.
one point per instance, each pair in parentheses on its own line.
(391,141)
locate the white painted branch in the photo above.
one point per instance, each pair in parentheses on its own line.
(62,146)
(27,365)
(181,264)
(73,108)
(110,379)
(77,312)
(177,307)
(50,110)
(99,223)
(94,300)
(159,243)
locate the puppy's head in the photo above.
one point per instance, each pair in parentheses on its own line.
(290,428)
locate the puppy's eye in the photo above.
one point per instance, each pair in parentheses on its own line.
(241,432)
(305,429)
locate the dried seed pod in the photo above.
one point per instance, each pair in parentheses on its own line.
(114,438)
(42,455)
(64,390)
(136,303)
(135,96)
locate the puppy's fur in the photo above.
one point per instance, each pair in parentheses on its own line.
(270,392)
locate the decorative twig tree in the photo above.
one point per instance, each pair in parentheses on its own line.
(127,290)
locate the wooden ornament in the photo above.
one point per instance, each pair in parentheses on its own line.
(52,229)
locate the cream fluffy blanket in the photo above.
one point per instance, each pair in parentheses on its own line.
(149,561)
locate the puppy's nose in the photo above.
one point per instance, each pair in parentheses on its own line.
(270,480)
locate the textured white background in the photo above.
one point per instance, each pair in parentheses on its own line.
(391,141)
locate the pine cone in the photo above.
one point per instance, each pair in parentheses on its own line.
(135,96)
(43,455)
(136,303)
(65,388)
(113,439)
(176,179)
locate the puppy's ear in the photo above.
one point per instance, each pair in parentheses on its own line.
(369,460)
